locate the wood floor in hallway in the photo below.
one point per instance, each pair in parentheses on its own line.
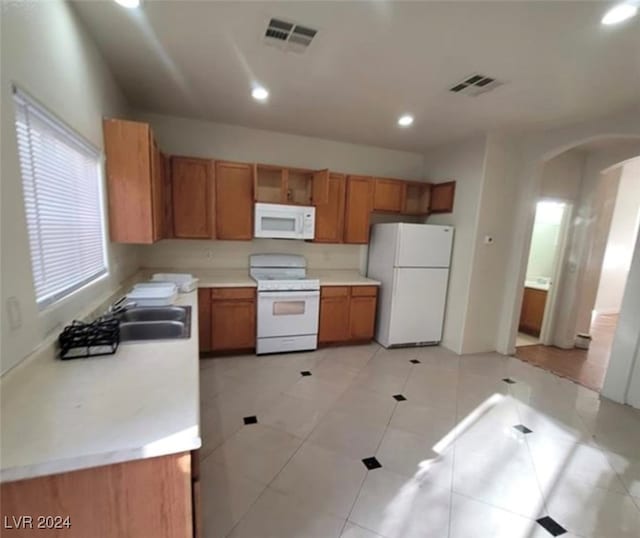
(586,367)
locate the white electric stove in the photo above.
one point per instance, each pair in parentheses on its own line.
(288,303)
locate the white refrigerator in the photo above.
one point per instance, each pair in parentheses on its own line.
(412,263)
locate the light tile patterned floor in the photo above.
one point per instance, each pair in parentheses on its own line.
(452,463)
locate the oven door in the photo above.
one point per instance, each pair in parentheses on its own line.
(288,313)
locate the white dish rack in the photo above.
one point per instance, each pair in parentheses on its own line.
(184,281)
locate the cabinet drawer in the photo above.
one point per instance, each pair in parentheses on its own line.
(334,291)
(364,291)
(232,293)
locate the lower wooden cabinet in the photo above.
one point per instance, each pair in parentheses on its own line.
(227,319)
(347,313)
(151,497)
(532,311)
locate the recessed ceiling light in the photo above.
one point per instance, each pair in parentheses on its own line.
(131,4)
(405,121)
(259,93)
(619,13)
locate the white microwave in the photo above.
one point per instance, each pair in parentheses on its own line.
(277,221)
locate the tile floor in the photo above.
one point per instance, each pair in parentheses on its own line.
(446,462)
(587,367)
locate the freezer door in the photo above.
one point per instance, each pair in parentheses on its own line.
(422,245)
(417,310)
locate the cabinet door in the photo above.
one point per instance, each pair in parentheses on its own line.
(532,312)
(128,166)
(157,190)
(233,324)
(330,216)
(204,319)
(334,314)
(234,201)
(362,317)
(359,203)
(389,195)
(320,191)
(442,196)
(192,197)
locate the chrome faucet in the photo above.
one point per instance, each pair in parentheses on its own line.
(120,305)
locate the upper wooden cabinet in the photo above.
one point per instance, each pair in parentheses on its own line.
(389,195)
(234,200)
(134,182)
(330,216)
(358,207)
(442,196)
(296,186)
(417,198)
(192,197)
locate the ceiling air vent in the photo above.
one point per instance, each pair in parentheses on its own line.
(288,36)
(476,85)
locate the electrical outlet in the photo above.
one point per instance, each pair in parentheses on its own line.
(14,313)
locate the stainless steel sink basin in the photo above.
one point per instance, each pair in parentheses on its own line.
(155,323)
(156,313)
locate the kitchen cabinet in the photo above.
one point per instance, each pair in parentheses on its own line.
(330,216)
(234,200)
(442,197)
(192,198)
(389,195)
(334,314)
(204,320)
(233,319)
(147,497)
(358,207)
(135,183)
(362,312)
(295,186)
(417,198)
(347,313)
(532,311)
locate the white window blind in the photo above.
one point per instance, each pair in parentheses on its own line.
(62,199)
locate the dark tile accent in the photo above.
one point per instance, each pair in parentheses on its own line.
(522,428)
(399,397)
(508,380)
(415,361)
(305,373)
(371,463)
(551,526)
(251,420)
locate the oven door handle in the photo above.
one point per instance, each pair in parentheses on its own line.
(289,295)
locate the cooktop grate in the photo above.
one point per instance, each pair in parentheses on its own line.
(80,340)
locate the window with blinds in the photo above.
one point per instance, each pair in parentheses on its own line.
(62,198)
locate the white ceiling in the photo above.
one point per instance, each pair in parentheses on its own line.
(371,62)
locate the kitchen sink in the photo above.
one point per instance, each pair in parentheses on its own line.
(155,313)
(155,323)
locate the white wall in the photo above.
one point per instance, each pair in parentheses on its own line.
(198,254)
(562,176)
(183,136)
(464,162)
(621,240)
(544,241)
(46,52)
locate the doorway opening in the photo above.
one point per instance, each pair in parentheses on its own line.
(591,260)
(548,241)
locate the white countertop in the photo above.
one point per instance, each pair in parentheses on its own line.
(142,402)
(544,286)
(341,277)
(239,278)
